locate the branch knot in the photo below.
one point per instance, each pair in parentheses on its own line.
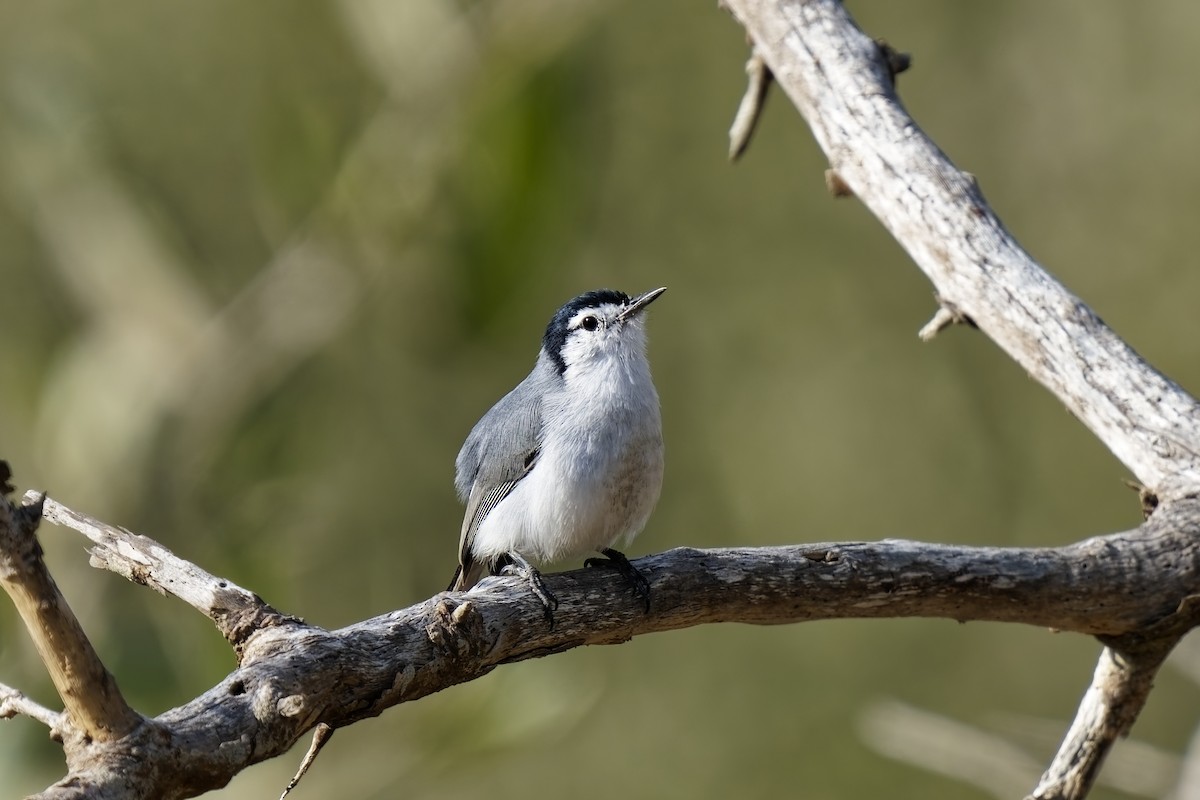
(457,628)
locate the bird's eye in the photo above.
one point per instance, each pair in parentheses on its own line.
(590,323)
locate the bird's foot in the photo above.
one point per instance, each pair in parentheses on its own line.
(514,563)
(617,560)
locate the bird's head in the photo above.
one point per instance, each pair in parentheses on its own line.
(599,324)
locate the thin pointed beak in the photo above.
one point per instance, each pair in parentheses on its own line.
(638,304)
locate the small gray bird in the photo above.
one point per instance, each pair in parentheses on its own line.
(571,460)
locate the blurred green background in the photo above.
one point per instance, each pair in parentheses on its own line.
(262,266)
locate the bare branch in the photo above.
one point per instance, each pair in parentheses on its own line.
(1122,682)
(13,702)
(1116,684)
(751,107)
(946,315)
(236,612)
(842,85)
(294,677)
(88,691)
(321,737)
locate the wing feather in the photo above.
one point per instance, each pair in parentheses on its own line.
(500,451)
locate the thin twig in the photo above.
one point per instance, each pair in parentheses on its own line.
(750,109)
(236,612)
(14,702)
(947,314)
(321,736)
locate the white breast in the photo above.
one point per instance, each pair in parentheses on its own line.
(598,475)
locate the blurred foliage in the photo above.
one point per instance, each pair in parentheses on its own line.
(262,265)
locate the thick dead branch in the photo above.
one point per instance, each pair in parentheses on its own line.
(1095,587)
(294,677)
(842,85)
(842,82)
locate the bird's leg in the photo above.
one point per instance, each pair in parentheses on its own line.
(513,563)
(618,561)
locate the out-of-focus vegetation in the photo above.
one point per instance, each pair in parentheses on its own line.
(262,265)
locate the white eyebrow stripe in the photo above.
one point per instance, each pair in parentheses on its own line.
(604,313)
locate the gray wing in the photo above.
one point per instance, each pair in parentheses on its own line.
(500,450)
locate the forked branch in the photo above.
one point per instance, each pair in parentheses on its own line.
(93,702)
(842,82)
(293,677)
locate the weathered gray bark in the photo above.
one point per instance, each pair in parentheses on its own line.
(843,83)
(1132,589)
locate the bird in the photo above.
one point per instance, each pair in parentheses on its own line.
(571,460)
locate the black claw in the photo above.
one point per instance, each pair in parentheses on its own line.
(515,564)
(617,560)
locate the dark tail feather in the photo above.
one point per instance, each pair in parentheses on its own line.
(466,576)
(454,581)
